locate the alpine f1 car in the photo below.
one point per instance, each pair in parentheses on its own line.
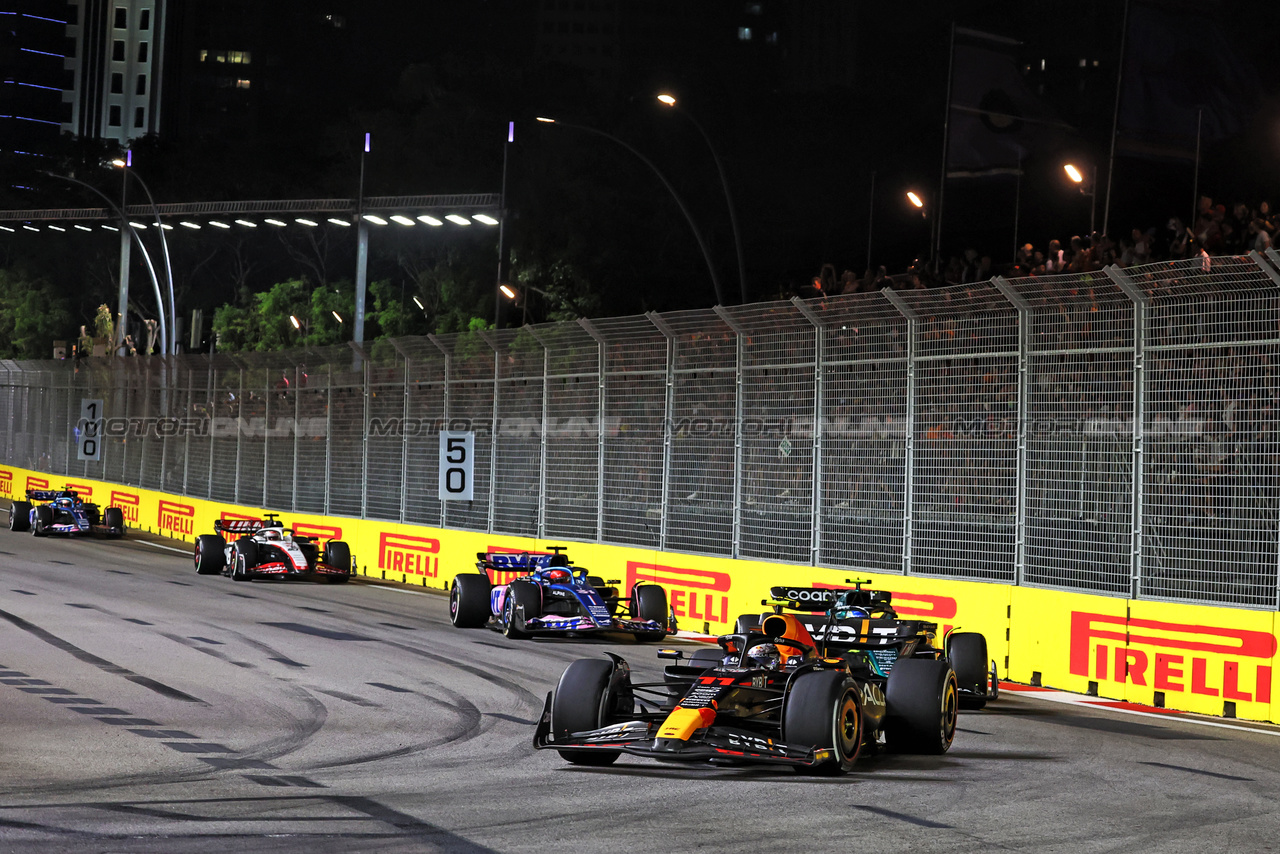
(264,548)
(62,511)
(552,597)
(775,693)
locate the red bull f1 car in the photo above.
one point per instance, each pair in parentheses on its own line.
(264,548)
(779,692)
(62,511)
(548,596)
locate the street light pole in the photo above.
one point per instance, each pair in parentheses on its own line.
(670,101)
(127,166)
(146,256)
(702,243)
(502,220)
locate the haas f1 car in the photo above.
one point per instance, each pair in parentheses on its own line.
(551,597)
(264,548)
(810,693)
(62,511)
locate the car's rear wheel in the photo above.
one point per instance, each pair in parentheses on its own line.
(338,554)
(113,518)
(469,601)
(968,654)
(44,519)
(210,554)
(921,706)
(649,602)
(20,516)
(823,710)
(581,702)
(523,602)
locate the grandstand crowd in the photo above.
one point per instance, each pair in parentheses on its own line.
(1217,230)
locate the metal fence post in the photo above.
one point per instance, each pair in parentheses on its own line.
(668,408)
(819,414)
(297,416)
(186,432)
(1140,303)
(328,440)
(404,431)
(600,422)
(739,346)
(493,437)
(240,435)
(1020,467)
(908,479)
(444,416)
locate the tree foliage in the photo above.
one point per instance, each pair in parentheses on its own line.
(32,315)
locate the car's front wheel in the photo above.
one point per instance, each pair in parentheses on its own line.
(823,710)
(20,516)
(581,702)
(44,520)
(523,602)
(469,601)
(210,554)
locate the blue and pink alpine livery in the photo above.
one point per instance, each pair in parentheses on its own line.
(549,596)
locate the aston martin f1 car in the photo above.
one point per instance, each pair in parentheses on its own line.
(264,548)
(62,511)
(775,693)
(549,596)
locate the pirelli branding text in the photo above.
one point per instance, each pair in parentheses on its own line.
(6,483)
(409,555)
(128,503)
(176,519)
(694,594)
(1234,664)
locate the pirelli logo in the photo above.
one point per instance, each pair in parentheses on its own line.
(128,503)
(6,483)
(85,492)
(410,555)
(37,482)
(174,518)
(1212,661)
(319,532)
(696,594)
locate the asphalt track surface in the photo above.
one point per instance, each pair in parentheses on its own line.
(146,709)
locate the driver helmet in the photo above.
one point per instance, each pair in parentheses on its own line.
(852,613)
(765,655)
(63,502)
(559,576)
(271,534)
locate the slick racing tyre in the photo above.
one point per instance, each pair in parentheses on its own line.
(338,554)
(649,602)
(113,518)
(44,519)
(520,594)
(968,654)
(824,710)
(469,601)
(20,516)
(210,554)
(921,706)
(580,703)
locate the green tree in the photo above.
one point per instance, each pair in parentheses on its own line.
(32,315)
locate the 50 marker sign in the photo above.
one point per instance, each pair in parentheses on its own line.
(457,463)
(89,430)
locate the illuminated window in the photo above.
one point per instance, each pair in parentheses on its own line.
(744,34)
(113,116)
(239,57)
(142,51)
(204,55)
(1084,63)
(242,84)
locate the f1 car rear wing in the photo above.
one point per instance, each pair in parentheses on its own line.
(823,598)
(51,494)
(238,526)
(508,561)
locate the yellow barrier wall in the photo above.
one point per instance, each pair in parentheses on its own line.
(1193,658)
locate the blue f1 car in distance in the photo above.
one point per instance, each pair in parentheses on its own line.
(62,511)
(551,597)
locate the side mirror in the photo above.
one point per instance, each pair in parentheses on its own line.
(676,654)
(613,581)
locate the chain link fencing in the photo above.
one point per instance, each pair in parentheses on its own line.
(1112,432)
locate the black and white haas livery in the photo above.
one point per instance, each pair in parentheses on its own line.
(63,511)
(264,548)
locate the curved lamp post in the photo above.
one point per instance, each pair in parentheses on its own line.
(127,166)
(670,101)
(146,256)
(702,243)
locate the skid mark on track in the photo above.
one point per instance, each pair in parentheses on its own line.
(909,819)
(100,663)
(1200,771)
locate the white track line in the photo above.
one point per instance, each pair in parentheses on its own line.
(163,546)
(1103,705)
